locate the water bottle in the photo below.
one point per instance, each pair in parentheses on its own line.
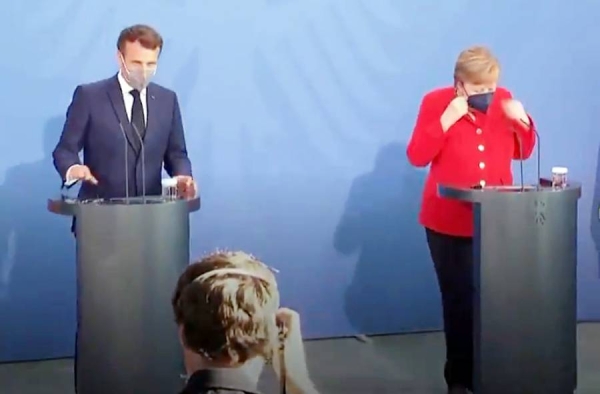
(559,177)
(169,189)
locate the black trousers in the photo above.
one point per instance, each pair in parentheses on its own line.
(453,260)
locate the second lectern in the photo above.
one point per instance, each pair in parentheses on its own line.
(525,266)
(130,254)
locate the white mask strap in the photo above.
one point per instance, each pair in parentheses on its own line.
(237,271)
(124,64)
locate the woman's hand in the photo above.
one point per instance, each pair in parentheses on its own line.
(514,110)
(457,108)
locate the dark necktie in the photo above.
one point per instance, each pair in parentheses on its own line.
(137,114)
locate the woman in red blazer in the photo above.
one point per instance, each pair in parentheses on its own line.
(468,134)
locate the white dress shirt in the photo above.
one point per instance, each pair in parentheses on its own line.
(128,98)
(128,101)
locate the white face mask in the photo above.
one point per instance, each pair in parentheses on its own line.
(139,79)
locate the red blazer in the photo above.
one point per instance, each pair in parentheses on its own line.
(471,152)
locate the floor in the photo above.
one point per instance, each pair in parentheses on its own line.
(388,364)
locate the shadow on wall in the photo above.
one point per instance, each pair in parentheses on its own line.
(595,217)
(394,280)
(37,262)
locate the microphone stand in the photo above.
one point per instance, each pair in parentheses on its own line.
(520,158)
(539,160)
(126,163)
(137,133)
(539,171)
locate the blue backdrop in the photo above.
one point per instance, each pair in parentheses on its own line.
(297,114)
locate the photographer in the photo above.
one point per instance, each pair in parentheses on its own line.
(227,310)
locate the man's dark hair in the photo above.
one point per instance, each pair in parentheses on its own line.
(144,34)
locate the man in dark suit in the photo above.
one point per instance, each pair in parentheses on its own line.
(119,121)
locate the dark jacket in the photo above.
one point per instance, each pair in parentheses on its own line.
(220,381)
(97,123)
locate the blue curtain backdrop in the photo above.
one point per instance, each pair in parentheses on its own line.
(297,114)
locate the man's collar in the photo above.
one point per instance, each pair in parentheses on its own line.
(125,86)
(235,379)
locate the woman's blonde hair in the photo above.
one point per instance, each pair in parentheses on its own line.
(477,65)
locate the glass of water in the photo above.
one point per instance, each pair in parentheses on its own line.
(169,189)
(559,177)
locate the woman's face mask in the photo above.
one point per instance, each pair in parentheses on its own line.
(480,101)
(479,97)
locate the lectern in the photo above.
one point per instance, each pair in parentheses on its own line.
(130,253)
(525,258)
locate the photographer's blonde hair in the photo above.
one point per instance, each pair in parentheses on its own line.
(226,305)
(477,65)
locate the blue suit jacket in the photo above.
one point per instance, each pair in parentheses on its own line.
(94,120)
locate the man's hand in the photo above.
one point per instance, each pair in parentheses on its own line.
(81,173)
(297,376)
(289,321)
(457,108)
(514,110)
(186,186)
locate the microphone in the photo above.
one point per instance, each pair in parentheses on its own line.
(143,152)
(126,162)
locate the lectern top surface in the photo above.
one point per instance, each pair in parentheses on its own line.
(124,200)
(479,194)
(69,206)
